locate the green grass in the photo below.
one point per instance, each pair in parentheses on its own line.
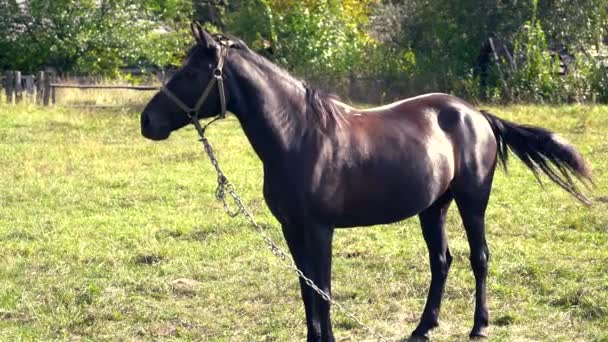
(107,97)
(97,224)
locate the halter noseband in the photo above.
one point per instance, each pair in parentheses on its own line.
(193,112)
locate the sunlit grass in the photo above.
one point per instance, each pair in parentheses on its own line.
(96,98)
(105,235)
(103,97)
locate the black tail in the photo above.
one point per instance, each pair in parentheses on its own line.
(541,150)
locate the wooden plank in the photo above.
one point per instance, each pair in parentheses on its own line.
(162,77)
(18,87)
(39,87)
(93,86)
(97,106)
(53,89)
(8,84)
(46,96)
(498,63)
(29,84)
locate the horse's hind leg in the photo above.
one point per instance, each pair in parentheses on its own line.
(432,221)
(472,201)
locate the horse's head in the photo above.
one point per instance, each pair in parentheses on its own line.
(171,108)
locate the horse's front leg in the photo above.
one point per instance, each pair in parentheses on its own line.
(310,247)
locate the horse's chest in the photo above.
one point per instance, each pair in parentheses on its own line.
(284,203)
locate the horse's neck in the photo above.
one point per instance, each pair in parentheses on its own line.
(270,112)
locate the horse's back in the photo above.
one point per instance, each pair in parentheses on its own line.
(445,122)
(394,161)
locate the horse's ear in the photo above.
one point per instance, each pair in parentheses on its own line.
(195,32)
(202,36)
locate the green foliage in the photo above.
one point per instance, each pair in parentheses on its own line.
(599,83)
(313,43)
(84,36)
(410,46)
(252,22)
(447,35)
(168,12)
(574,23)
(447,39)
(312,38)
(536,77)
(585,82)
(162,49)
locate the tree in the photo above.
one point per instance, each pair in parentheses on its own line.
(91,36)
(310,37)
(211,11)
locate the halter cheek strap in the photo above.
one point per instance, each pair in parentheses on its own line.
(218,79)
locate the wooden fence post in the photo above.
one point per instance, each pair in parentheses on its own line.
(18,87)
(39,86)
(161,76)
(47,89)
(8,81)
(29,86)
(53,89)
(500,73)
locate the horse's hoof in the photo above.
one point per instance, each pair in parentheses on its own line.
(479,334)
(421,333)
(419,338)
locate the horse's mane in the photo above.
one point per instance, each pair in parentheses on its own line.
(318,104)
(321,105)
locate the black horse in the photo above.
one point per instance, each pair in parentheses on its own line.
(347,167)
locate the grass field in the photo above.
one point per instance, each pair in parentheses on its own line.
(107,236)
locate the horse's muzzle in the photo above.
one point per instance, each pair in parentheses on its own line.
(153,132)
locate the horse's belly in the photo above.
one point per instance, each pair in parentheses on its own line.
(401,178)
(381,206)
(386,199)
(381,216)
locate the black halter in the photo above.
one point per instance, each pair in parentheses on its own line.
(193,112)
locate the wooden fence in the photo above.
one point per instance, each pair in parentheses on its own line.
(41,88)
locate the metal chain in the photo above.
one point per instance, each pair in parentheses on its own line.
(224,186)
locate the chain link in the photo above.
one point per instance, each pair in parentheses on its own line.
(224,186)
